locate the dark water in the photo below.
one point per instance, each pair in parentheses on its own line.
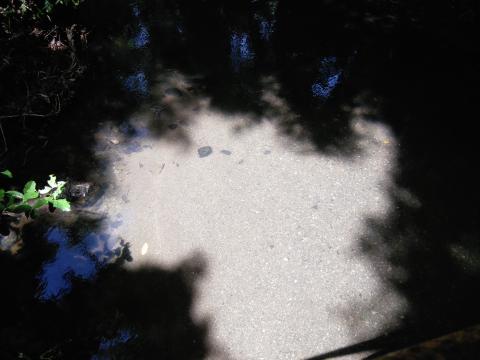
(66,293)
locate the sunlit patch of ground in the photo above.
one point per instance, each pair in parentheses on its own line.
(276,221)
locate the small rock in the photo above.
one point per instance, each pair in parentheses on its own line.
(172,126)
(226,152)
(114,141)
(205,151)
(79,190)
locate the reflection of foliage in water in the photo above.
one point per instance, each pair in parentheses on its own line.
(137,83)
(27,10)
(398,73)
(40,82)
(109,311)
(241,51)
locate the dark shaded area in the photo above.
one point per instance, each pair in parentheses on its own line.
(114,313)
(382,342)
(414,67)
(66,142)
(40,60)
(462,344)
(420,77)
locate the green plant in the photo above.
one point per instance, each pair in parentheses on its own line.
(31,199)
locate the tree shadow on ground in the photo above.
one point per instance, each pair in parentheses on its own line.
(421,77)
(161,61)
(91,305)
(411,67)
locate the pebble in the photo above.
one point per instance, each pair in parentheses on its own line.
(205,151)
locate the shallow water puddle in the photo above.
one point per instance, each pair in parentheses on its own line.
(276,222)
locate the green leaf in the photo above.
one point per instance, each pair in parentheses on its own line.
(29,191)
(61,204)
(45,190)
(10,201)
(57,186)
(57,192)
(52,182)
(30,195)
(2,194)
(14,194)
(23,208)
(41,202)
(7,173)
(29,187)
(48,6)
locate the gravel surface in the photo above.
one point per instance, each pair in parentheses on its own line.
(276,222)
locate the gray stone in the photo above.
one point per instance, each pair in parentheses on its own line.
(79,190)
(204,151)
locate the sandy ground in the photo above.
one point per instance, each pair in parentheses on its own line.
(276,222)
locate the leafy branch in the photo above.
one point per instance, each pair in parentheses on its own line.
(31,199)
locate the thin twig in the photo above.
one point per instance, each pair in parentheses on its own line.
(28,114)
(3,136)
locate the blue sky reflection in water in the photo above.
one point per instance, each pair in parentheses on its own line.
(82,260)
(137,83)
(142,37)
(328,79)
(106,345)
(240,50)
(266,28)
